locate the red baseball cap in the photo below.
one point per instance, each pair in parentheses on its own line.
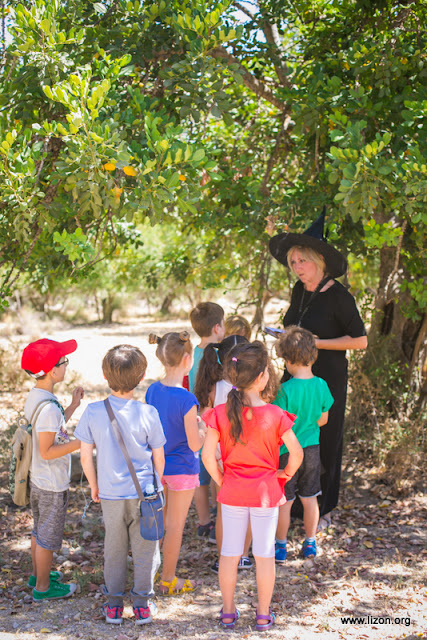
(42,355)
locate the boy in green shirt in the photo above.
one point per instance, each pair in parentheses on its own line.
(309,398)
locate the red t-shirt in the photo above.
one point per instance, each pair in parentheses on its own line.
(250,466)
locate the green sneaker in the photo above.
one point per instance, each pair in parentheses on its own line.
(54,575)
(56,590)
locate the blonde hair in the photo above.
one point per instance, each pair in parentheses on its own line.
(309,254)
(171,347)
(237,326)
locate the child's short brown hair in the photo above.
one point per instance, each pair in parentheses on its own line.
(237,326)
(297,346)
(124,367)
(205,316)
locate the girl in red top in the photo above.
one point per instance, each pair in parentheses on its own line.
(249,432)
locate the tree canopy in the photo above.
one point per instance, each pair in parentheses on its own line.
(223,121)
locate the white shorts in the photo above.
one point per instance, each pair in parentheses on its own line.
(235,522)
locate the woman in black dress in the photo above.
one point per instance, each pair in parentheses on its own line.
(326,308)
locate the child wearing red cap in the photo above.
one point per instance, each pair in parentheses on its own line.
(45,361)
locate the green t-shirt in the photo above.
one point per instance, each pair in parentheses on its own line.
(307,399)
(198,355)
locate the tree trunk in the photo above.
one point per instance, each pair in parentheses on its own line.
(395,338)
(263,295)
(109,304)
(166,304)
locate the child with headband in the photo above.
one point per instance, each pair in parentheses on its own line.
(249,432)
(177,408)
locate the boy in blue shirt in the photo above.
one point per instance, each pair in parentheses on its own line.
(124,367)
(309,398)
(207,320)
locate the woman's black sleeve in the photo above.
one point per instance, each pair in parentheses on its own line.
(348,315)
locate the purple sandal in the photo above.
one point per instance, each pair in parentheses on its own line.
(233,616)
(271,618)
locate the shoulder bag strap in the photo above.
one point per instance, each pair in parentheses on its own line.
(122,446)
(37,412)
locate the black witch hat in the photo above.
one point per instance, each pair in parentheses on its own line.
(313,237)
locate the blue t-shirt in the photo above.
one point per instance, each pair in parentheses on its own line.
(197,356)
(141,430)
(173,403)
(307,398)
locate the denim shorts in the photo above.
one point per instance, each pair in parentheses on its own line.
(204,476)
(49,509)
(306,481)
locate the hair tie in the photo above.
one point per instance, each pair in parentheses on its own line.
(235,388)
(234,359)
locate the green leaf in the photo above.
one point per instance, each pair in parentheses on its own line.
(198,155)
(48,92)
(45,25)
(99,7)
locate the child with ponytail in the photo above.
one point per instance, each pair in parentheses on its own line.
(212,389)
(177,408)
(249,432)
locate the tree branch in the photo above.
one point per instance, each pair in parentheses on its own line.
(285,120)
(259,88)
(244,10)
(24,261)
(273,39)
(396,263)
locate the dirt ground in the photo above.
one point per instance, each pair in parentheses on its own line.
(371,564)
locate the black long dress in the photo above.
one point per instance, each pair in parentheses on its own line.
(330,314)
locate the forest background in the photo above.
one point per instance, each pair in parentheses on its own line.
(149,149)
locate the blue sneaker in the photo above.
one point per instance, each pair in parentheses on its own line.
(281,553)
(309,549)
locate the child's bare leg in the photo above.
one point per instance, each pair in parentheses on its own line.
(165,510)
(33,554)
(311,516)
(43,565)
(201,501)
(176,515)
(265,578)
(248,541)
(284,521)
(214,491)
(227,575)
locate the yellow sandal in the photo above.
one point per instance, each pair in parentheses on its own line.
(187,587)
